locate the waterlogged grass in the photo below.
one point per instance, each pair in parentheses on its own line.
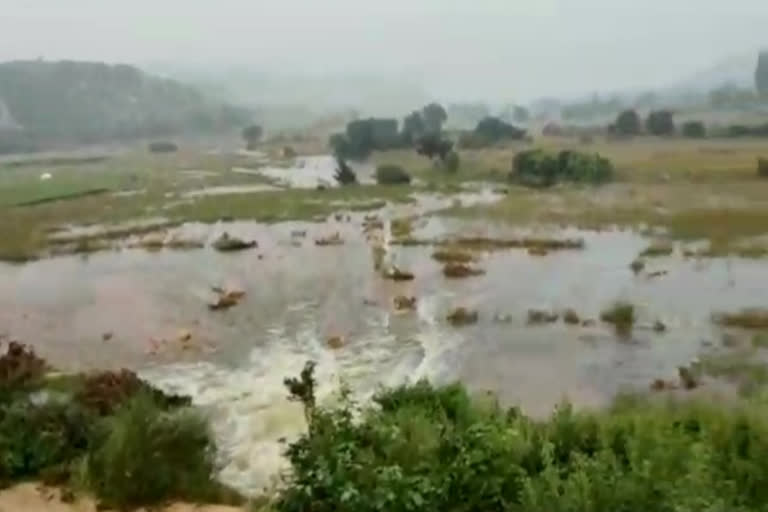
(436,448)
(621,315)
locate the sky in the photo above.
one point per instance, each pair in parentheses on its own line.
(458,49)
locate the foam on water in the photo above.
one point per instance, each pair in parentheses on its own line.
(251,417)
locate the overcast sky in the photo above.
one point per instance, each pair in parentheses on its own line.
(471,48)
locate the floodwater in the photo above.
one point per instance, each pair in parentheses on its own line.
(311,172)
(299,294)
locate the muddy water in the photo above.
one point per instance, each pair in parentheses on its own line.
(299,294)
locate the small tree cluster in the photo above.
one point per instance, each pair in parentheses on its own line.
(694,130)
(660,122)
(252,136)
(541,168)
(627,123)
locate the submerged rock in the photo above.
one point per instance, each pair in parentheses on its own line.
(403,303)
(462,316)
(225,299)
(335,342)
(226,243)
(637,266)
(659,326)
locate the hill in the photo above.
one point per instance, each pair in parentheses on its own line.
(85,102)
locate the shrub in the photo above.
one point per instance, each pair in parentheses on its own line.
(19,367)
(694,129)
(433,145)
(451,162)
(621,315)
(252,136)
(392,175)
(143,455)
(163,147)
(660,122)
(104,392)
(762,167)
(344,174)
(494,129)
(40,436)
(471,140)
(434,448)
(538,167)
(627,123)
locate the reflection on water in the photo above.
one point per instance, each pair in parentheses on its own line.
(298,295)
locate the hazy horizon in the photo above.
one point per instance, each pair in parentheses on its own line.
(495,49)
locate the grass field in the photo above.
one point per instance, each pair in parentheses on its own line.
(696,189)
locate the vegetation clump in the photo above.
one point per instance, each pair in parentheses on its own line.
(462,316)
(456,270)
(540,317)
(541,168)
(571,317)
(621,315)
(392,175)
(19,367)
(762,167)
(162,147)
(694,130)
(344,174)
(227,243)
(662,248)
(104,392)
(452,256)
(421,447)
(746,319)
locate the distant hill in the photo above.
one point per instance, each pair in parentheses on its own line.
(90,102)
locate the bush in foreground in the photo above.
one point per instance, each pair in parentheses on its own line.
(392,175)
(434,448)
(538,167)
(143,455)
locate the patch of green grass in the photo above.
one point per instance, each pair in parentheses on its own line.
(659,248)
(621,315)
(742,367)
(746,319)
(435,448)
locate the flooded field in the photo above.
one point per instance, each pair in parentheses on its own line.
(309,290)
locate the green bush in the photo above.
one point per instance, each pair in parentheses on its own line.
(627,123)
(35,437)
(694,129)
(425,448)
(762,167)
(452,162)
(392,175)
(660,122)
(494,129)
(538,167)
(143,455)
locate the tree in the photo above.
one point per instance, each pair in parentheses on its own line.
(494,129)
(520,114)
(344,174)
(413,127)
(694,129)
(434,116)
(252,135)
(432,145)
(761,74)
(660,122)
(627,123)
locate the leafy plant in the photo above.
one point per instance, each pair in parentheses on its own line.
(421,447)
(344,174)
(538,167)
(392,175)
(143,455)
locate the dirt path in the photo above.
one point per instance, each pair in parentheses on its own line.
(31,497)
